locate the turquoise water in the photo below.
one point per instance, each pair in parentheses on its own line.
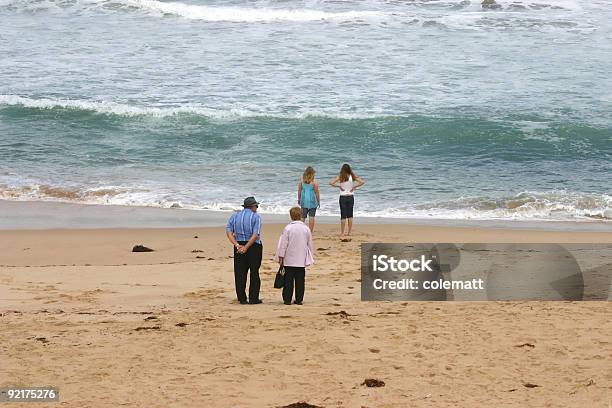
(447,110)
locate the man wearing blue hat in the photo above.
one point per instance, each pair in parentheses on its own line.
(244,232)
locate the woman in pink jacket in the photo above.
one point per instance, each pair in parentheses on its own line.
(294,252)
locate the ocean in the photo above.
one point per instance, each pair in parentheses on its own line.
(446,109)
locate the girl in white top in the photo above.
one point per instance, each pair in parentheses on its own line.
(347,181)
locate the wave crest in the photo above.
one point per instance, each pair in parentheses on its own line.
(208,13)
(410,13)
(241,14)
(120,109)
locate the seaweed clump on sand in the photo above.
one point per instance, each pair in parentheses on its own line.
(141,248)
(300,404)
(372,382)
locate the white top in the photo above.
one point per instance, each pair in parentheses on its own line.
(347,186)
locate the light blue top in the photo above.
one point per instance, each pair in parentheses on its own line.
(308,198)
(244,224)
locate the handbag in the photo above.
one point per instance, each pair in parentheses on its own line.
(279,281)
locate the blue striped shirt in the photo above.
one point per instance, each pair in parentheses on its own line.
(244,224)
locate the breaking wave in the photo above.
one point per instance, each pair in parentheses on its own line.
(243,14)
(515,14)
(537,206)
(126,110)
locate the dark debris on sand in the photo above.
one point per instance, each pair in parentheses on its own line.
(141,248)
(373,382)
(341,313)
(525,345)
(300,404)
(147,328)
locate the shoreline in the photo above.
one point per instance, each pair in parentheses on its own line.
(46,215)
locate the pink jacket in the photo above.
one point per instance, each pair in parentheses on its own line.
(295,245)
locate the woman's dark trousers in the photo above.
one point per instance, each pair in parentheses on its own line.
(294,275)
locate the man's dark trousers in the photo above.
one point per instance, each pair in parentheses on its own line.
(251,260)
(297,274)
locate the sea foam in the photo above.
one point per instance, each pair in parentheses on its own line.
(556,205)
(245,14)
(128,110)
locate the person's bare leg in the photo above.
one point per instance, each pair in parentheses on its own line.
(342,223)
(350,225)
(311,222)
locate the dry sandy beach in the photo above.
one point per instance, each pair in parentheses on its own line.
(112,328)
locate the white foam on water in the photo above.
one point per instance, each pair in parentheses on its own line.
(529,5)
(550,205)
(558,205)
(120,109)
(533,15)
(113,108)
(250,14)
(537,206)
